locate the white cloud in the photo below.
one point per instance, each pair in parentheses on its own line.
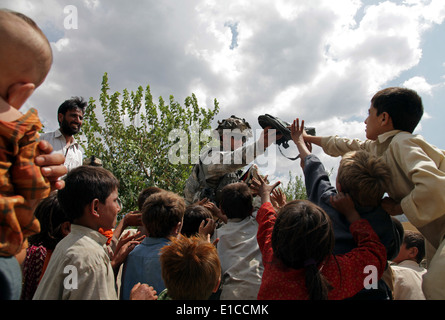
(61,44)
(318,60)
(420,85)
(92,4)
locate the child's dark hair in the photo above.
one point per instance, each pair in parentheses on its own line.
(303,238)
(51,216)
(403,105)
(144,194)
(415,239)
(194,215)
(84,184)
(161,213)
(236,200)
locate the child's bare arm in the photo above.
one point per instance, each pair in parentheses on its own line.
(312,139)
(297,134)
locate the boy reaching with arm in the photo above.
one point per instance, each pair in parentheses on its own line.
(417,171)
(361,183)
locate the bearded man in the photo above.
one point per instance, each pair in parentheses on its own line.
(70,116)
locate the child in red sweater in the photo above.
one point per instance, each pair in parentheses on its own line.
(297,247)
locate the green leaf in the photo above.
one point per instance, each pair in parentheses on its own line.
(132,138)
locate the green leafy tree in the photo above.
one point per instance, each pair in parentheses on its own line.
(295,188)
(132,138)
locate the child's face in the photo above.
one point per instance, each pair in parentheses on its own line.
(405,254)
(108,211)
(373,124)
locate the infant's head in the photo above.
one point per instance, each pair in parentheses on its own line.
(25,54)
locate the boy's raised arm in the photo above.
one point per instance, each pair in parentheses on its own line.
(312,139)
(297,134)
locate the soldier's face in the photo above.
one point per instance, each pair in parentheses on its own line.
(231,143)
(236,143)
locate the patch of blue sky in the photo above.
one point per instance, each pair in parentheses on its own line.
(53,32)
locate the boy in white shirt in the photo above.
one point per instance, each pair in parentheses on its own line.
(417,168)
(241,260)
(80,268)
(407,271)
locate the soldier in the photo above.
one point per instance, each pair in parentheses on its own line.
(221,165)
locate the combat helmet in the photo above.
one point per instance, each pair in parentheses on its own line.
(234,123)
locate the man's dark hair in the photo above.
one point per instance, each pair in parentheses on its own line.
(403,105)
(73,103)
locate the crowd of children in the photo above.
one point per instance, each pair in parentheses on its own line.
(341,243)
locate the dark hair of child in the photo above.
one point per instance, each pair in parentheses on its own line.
(303,238)
(403,105)
(236,200)
(193,216)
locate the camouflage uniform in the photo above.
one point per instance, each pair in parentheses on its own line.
(218,168)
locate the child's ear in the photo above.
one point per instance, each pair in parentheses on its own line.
(338,186)
(178,228)
(94,207)
(217,286)
(412,253)
(19,93)
(386,118)
(65,227)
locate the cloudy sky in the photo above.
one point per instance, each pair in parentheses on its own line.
(318,60)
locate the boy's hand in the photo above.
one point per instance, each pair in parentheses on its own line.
(216,212)
(124,246)
(342,202)
(132,218)
(298,133)
(278,197)
(51,165)
(262,188)
(143,292)
(207,227)
(207,230)
(391,206)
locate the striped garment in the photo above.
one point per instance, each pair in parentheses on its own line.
(20,182)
